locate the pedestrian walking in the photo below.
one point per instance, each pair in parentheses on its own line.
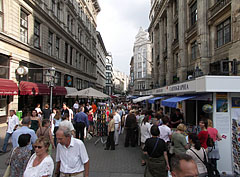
(81,120)
(75,107)
(19,156)
(40,164)
(90,120)
(12,124)
(56,121)
(155,148)
(197,153)
(66,123)
(46,112)
(72,158)
(130,125)
(176,118)
(35,121)
(64,109)
(179,140)
(38,110)
(183,165)
(117,120)
(26,121)
(145,128)
(110,140)
(45,131)
(70,114)
(203,134)
(213,152)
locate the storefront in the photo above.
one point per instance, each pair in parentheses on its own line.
(219,98)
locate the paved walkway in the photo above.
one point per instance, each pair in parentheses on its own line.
(123,162)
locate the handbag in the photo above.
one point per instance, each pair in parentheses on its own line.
(7,171)
(211,169)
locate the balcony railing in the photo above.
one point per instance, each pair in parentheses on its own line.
(218,6)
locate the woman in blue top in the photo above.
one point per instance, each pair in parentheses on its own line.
(56,121)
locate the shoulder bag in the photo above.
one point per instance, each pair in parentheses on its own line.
(211,169)
(8,170)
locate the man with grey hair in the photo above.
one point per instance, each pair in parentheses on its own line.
(26,122)
(72,158)
(183,165)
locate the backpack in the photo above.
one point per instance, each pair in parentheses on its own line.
(210,142)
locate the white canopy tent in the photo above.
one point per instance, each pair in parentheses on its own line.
(142,98)
(88,93)
(71,90)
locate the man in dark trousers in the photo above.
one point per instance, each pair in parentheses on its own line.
(81,120)
(130,127)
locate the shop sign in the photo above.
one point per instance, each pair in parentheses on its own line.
(184,87)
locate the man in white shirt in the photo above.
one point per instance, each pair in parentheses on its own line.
(72,158)
(165,131)
(70,114)
(13,122)
(75,107)
(117,120)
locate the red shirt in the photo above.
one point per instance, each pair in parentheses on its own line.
(203,136)
(212,133)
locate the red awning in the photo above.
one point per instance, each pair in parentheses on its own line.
(8,87)
(58,90)
(30,88)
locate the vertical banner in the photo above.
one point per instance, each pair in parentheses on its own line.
(236,134)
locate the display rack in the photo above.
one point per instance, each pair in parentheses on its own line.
(101,123)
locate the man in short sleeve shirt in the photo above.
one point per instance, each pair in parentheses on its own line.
(72,158)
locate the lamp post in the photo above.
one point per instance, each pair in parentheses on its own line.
(51,79)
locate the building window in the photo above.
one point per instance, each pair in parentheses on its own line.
(194,47)
(80,61)
(176,7)
(66,52)
(23,27)
(71,55)
(50,43)
(193,12)
(139,74)
(58,10)
(176,31)
(72,25)
(53,6)
(79,33)
(224,33)
(79,84)
(139,64)
(1,15)
(69,22)
(57,46)
(36,40)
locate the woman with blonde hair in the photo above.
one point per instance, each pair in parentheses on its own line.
(40,164)
(213,152)
(179,140)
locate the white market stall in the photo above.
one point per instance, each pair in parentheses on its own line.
(224,92)
(88,93)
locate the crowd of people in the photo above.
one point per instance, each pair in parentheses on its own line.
(163,140)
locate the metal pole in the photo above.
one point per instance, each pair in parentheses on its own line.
(51,87)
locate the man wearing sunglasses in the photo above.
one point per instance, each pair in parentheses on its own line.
(72,158)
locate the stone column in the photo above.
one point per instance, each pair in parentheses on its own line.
(182,26)
(161,49)
(203,36)
(169,76)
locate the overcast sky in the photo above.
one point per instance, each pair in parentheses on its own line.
(119,22)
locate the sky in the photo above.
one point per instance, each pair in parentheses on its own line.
(119,22)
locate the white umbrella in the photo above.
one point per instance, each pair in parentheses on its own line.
(88,93)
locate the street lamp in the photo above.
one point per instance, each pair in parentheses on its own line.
(51,80)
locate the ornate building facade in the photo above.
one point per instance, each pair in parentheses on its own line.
(142,63)
(193,38)
(39,34)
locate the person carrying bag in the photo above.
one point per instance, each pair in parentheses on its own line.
(7,172)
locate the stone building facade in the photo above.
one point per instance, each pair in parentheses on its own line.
(39,34)
(193,38)
(109,74)
(120,82)
(101,63)
(142,63)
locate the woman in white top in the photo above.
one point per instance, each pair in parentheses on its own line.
(40,164)
(145,134)
(196,151)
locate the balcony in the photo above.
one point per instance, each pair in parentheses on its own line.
(218,6)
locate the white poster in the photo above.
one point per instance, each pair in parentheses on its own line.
(222,123)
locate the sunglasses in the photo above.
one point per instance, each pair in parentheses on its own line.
(39,147)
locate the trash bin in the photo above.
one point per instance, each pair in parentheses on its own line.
(19,114)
